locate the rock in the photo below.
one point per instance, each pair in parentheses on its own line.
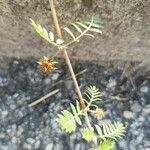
(30,141)
(140,138)
(4,113)
(20,130)
(27,146)
(58,147)
(37,144)
(128,114)
(12,106)
(146,110)
(14,140)
(2,135)
(15,95)
(8,147)
(78,146)
(49,146)
(47,81)
(112,83)
(2,147)
(144,89)
(69,84)
(136,108)
(123,144)
(55,76)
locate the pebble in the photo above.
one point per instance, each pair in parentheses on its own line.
(69,84)
(37,144)
(49,146)
(4,113)
(112,83)
(123,144)
(30,141)
(136,108)
(14,140)
(146,110)
(27,146)
(128,114)
(47,81)
(12,106)
(55,76)
(20,130)
(144,89)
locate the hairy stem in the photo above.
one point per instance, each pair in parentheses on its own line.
(59,34)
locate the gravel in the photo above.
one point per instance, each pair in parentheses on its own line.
(24,128)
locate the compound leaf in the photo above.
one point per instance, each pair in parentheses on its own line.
(111,131)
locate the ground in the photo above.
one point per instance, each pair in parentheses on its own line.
(125,99)
(126,30)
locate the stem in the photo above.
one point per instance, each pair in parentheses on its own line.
(58,31)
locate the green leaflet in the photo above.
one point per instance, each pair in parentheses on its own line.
(77,27)
(88,134)
(69,32)
(75,114)
(107,145)
(68,120)
(92,93)
(112,131)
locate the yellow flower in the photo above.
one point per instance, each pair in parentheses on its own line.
(99,113)
(46,64)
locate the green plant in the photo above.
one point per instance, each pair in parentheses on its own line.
(104,136)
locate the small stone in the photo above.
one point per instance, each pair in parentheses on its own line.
(58,147)
(141,118)
(30,141)
(47,81)
(10,146)
(49,146)
(14,127)
(14,140)
(55,76)
(78,146)
(128,114)
(139,139)
(3,147)
(146,110)
(12,106)
(2,135)
(16,62)
(4,113)
(69,84)
(20,130)
(135,107)
(144,89)
(37,144)
(15,95)
(27,146)
(123,144)
(112,83)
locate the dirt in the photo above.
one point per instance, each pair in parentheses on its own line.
(126,33)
